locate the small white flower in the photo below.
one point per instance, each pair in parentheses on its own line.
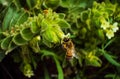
(29,73)
(109,34)
(105,25)
(114,27)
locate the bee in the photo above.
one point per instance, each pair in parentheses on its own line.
(68,45)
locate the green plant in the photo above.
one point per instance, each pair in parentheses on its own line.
(32,32)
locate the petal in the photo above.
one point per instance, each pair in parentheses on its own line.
(115,24)
(105,25)
(110,34)
(115,29)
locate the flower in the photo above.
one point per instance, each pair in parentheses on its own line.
(105,25)
(114,27)
(109,29)
(29,73)
(109,34)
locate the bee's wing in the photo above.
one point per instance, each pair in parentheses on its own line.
(65,63)
(75,54)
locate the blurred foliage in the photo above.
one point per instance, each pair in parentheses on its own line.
(32,31)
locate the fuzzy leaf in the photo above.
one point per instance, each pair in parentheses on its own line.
(26,34)
(78,3)
(61,15)
(34,27)
(63,24)
(52,4)
(47,43)
(18,40)
(84,16)
(24,16)
(5,43)
(66,3)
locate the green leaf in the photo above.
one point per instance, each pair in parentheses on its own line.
(110,59)
(46,53)
(5,43)
(7,18)
(100,34)
(50,37)
(16,16)
(11,47)
(96,62)
(75,4)
(110,76)
(46,73)
(47,43)
(17,4)
(80,61)
(51,3)
(29,3)
(24,16)
(18,40)
(66,3)
(63,24)
(26,34)
(84,16)
(59,68)
(108,43)
(34,27)
(61,15)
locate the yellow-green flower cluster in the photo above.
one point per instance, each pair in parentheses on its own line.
(92,60)
(109,29)
(51,28)
(28,71)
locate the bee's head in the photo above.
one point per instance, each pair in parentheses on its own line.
(66,39)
